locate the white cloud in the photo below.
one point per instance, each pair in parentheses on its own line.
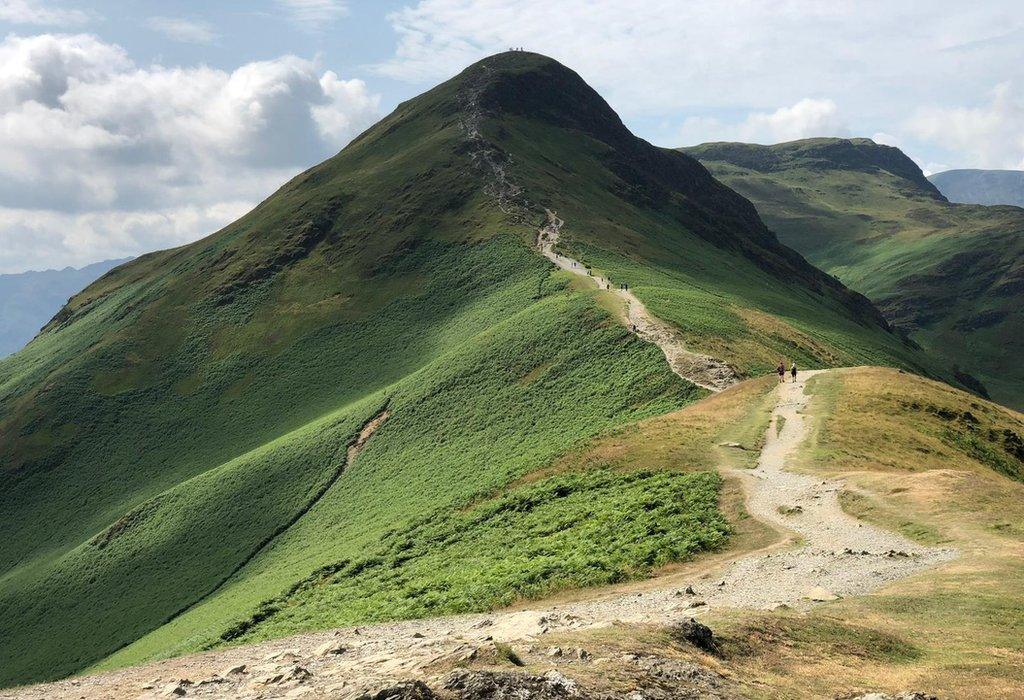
(183,30)
(885,139)
(806,118)
(102,158)
(990,136)
(28,12)
(314,15)
(28,238)
(664,59)
(348,102)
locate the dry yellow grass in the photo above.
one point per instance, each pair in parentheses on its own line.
(898,442)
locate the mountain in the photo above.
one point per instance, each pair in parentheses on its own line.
(365,377)
(29,299)
(950,275)
(981,186)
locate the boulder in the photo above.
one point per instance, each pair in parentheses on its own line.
(820,595)
(330,648)
(176,689)
(695,633)
(406,690)
(486,685)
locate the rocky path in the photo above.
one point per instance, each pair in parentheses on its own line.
(831,555)
(836,555)
(703,370)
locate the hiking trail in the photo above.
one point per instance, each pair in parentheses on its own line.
(829,555)
(703,370)
(707,372)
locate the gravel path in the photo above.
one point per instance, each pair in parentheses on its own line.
(835,555)
(702,370)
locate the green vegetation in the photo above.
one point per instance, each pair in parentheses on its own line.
(174,444)
(949,274)
(571,530)
(953,630)
(506,653)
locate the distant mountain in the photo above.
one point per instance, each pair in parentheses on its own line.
(29,299)
(951,275)
(981,186)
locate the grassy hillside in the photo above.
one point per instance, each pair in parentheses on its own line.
(175,445)
(912,455)
(949,274)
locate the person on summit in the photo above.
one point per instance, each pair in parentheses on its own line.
(792,371)
(781,370)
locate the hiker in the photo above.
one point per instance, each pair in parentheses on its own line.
(792,371)
(781,369)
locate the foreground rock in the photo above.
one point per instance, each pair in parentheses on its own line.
(697,634)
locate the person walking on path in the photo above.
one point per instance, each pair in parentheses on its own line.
(781,369)
(792,370)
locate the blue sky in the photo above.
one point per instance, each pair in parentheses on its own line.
(134,125)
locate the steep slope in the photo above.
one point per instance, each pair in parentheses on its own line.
(176,445)
(981,186)
(949,274)
(29,299)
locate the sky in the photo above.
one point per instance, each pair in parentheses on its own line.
(135,125)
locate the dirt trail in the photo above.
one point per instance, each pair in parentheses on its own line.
(838,555)
(702,370)
(832,555)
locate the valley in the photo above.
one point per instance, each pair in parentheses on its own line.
(949,275)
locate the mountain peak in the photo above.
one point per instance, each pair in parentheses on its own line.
(522,83)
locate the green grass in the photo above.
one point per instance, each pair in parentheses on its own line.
(573,530)
(949,274)
(425,459)
(171,445)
